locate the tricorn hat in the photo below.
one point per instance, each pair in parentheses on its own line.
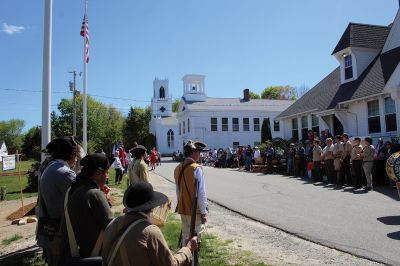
(61,145)
(139,147)
(97,161)
(195,145)
(142,197)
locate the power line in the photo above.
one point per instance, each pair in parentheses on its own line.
(93,95)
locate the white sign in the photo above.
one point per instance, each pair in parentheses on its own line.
(9,162)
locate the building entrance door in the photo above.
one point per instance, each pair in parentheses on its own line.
(337,126)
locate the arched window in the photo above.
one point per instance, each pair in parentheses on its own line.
(170,138)
(162,92)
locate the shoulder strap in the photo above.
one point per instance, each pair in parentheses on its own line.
(99,243)
(121,239)
(71,236)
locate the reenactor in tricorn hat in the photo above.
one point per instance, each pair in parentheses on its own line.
(189,179)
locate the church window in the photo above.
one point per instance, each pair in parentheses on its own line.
(170,138)
(188,125)
(214,124)
(256,122)
(162,92)
(315,124)
(390,115)
(193,88)
(246,124)
(295,127)
(304,127)
(183,127)
(224,124)
(235,124)
(348,67)
(374,119)
(276,125)
(180,129)
(162,109)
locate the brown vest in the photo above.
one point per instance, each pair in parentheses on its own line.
(186,187)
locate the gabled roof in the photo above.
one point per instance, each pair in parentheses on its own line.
(362,35)
(237,104)
(329,92)
(319,97)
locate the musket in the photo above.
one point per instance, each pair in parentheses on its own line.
(195,253)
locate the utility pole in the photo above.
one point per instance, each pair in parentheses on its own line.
(72,88)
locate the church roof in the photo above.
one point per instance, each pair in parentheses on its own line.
(362,35)
(170,120)
(237,104)
(329,92)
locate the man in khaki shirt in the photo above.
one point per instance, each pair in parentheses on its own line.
(356,162)
(327,156)
(338,150)
(317,151)
(368,161)
(143,244)
(345,168)
(138,171)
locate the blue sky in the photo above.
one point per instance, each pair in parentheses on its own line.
(236,44)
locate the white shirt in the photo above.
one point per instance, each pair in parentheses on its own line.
(117,163)
(257,154)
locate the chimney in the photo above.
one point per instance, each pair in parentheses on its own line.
(246,95)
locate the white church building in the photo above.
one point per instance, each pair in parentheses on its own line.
(219,122)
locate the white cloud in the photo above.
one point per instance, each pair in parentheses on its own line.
(11,29)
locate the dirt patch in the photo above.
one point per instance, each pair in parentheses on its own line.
(7,231)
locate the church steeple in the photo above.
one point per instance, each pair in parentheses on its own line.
(161,103)
(193,88)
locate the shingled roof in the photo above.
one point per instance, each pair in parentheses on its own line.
(329,92)
(362,35)
(237,104)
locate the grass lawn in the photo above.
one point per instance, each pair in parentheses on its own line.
(12,182)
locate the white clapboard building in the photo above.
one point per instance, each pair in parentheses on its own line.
(219,122)
(362,95)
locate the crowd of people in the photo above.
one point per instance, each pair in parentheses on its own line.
(243,157)
(76,225)
(338,160)
(341,161)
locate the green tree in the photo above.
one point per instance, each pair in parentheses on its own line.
(104,123)
(11,134)
(136,127)
(175,105)
(279,93)
(254,95)
(31,147)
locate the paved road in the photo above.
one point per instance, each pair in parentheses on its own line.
(365,224)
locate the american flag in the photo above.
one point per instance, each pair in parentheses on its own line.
(85,32)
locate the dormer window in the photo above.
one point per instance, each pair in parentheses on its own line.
(348,67)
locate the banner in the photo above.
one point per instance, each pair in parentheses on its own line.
(9,162)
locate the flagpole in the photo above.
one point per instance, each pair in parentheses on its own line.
(46,78)
(84,108)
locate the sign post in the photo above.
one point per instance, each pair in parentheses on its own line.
(12,162)
(20,181)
